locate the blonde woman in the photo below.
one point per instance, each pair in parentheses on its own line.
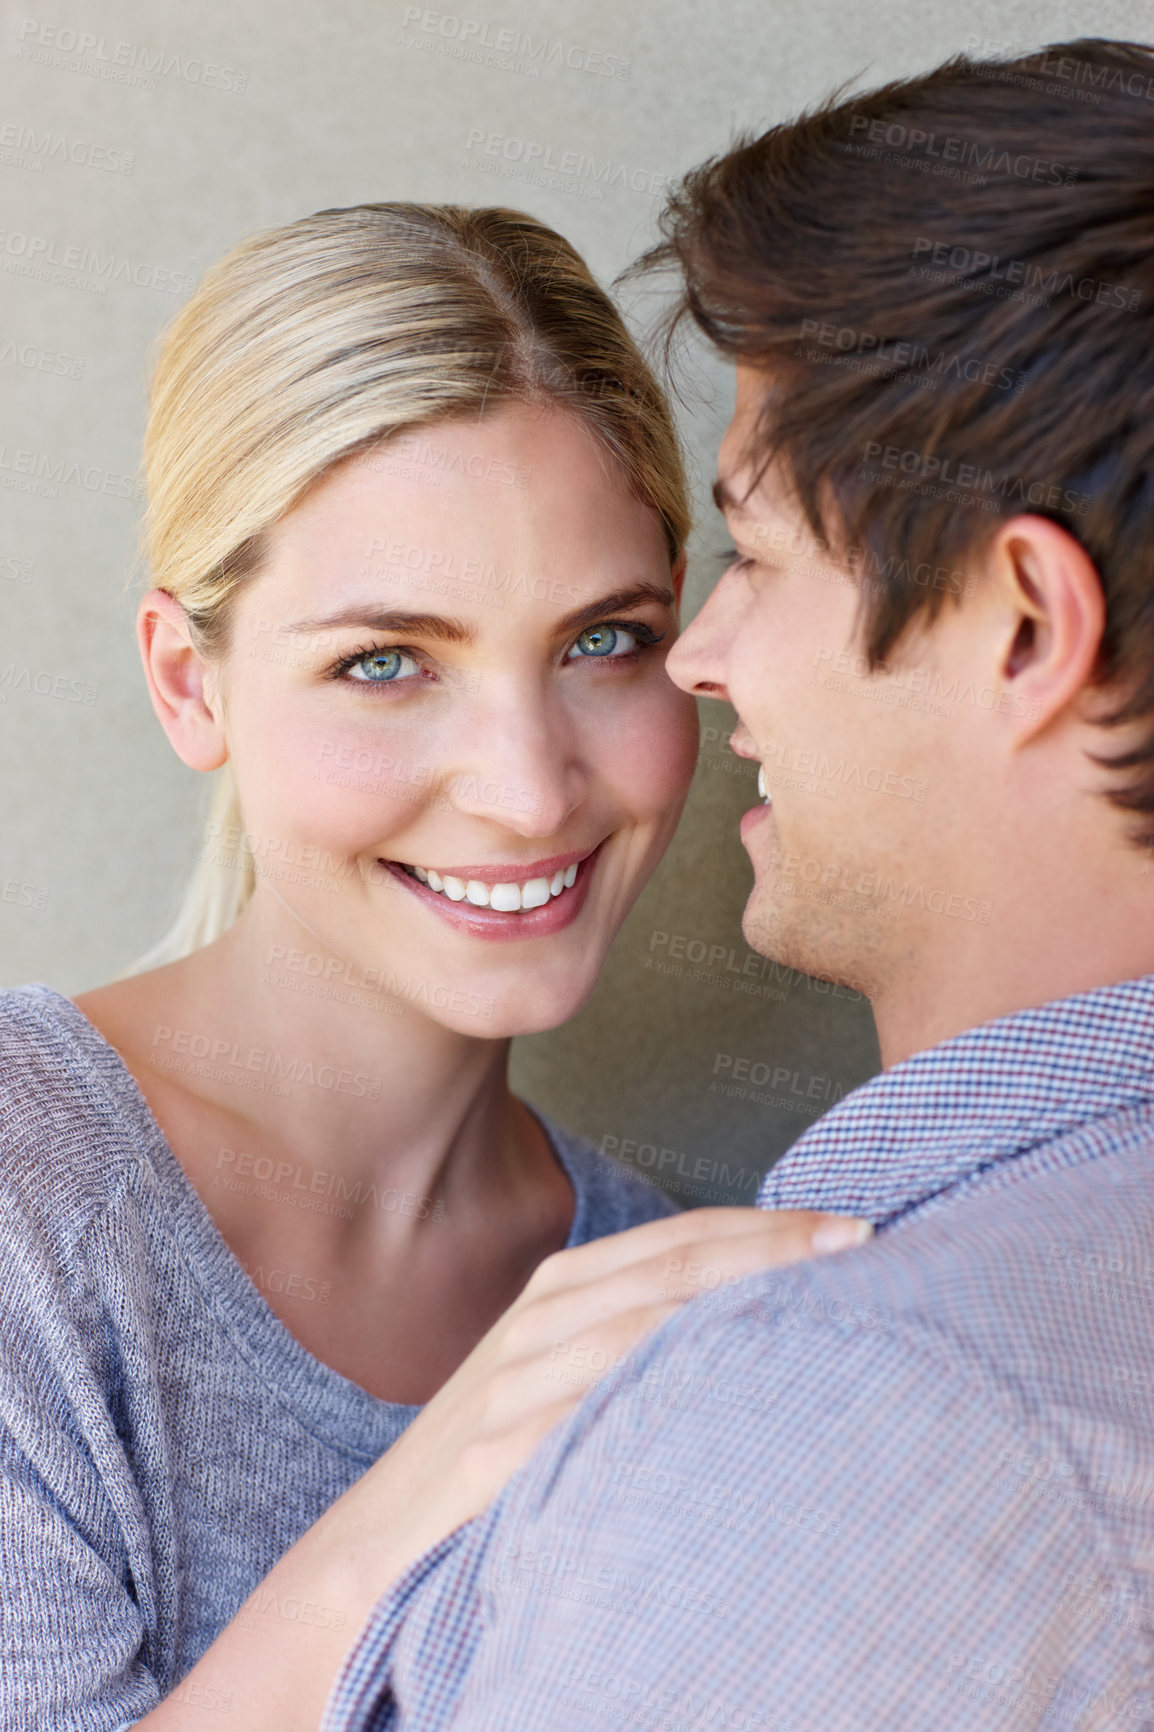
(291,1281)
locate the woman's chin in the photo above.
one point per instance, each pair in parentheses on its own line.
(532,1008)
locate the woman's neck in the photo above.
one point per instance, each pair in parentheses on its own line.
(304,1055)
(377,1156)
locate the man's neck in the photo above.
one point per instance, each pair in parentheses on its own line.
(1039,945)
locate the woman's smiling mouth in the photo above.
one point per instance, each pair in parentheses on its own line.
(503,901)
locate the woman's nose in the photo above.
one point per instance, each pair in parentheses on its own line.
(522,769)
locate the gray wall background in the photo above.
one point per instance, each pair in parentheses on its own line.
(187,128)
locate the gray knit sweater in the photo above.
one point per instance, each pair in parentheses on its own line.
(163,1437)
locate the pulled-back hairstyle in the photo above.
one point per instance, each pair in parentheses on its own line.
(315,341)
(950,284)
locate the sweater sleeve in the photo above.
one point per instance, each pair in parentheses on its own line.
(75,1602)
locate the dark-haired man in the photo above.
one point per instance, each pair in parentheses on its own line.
(910,1486)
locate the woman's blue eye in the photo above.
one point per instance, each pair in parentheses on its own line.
(380,667)
(602,641)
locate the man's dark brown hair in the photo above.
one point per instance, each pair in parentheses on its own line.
(951,282)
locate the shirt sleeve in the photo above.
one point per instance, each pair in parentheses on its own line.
(426,1626)
(775,1523)
(74,1648)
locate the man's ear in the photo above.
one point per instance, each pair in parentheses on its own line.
(181,683)
(1048,589)
(678,574)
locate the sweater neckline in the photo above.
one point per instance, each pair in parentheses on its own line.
(331,1407)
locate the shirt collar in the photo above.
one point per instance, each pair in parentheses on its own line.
(972,1102)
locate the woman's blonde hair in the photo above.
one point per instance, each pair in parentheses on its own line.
(314,341)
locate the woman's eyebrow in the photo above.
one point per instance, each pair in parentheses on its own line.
(444,629)
(617,601)
(430,625)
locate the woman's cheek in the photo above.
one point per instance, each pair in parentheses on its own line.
(648,749)
(673,733)
(346,787)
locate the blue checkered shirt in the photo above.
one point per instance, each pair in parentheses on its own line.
(906,1486)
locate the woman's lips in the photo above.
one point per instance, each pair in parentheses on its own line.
(560,911)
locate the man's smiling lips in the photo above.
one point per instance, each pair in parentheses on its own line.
(742,745)
(532,900)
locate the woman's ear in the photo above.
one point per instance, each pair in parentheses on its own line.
(181,683)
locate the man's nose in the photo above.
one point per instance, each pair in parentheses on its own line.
(699,660)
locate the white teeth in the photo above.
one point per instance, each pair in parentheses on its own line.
(509,898)
(761,787)
(535,894)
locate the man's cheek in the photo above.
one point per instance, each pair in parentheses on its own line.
(769,691)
